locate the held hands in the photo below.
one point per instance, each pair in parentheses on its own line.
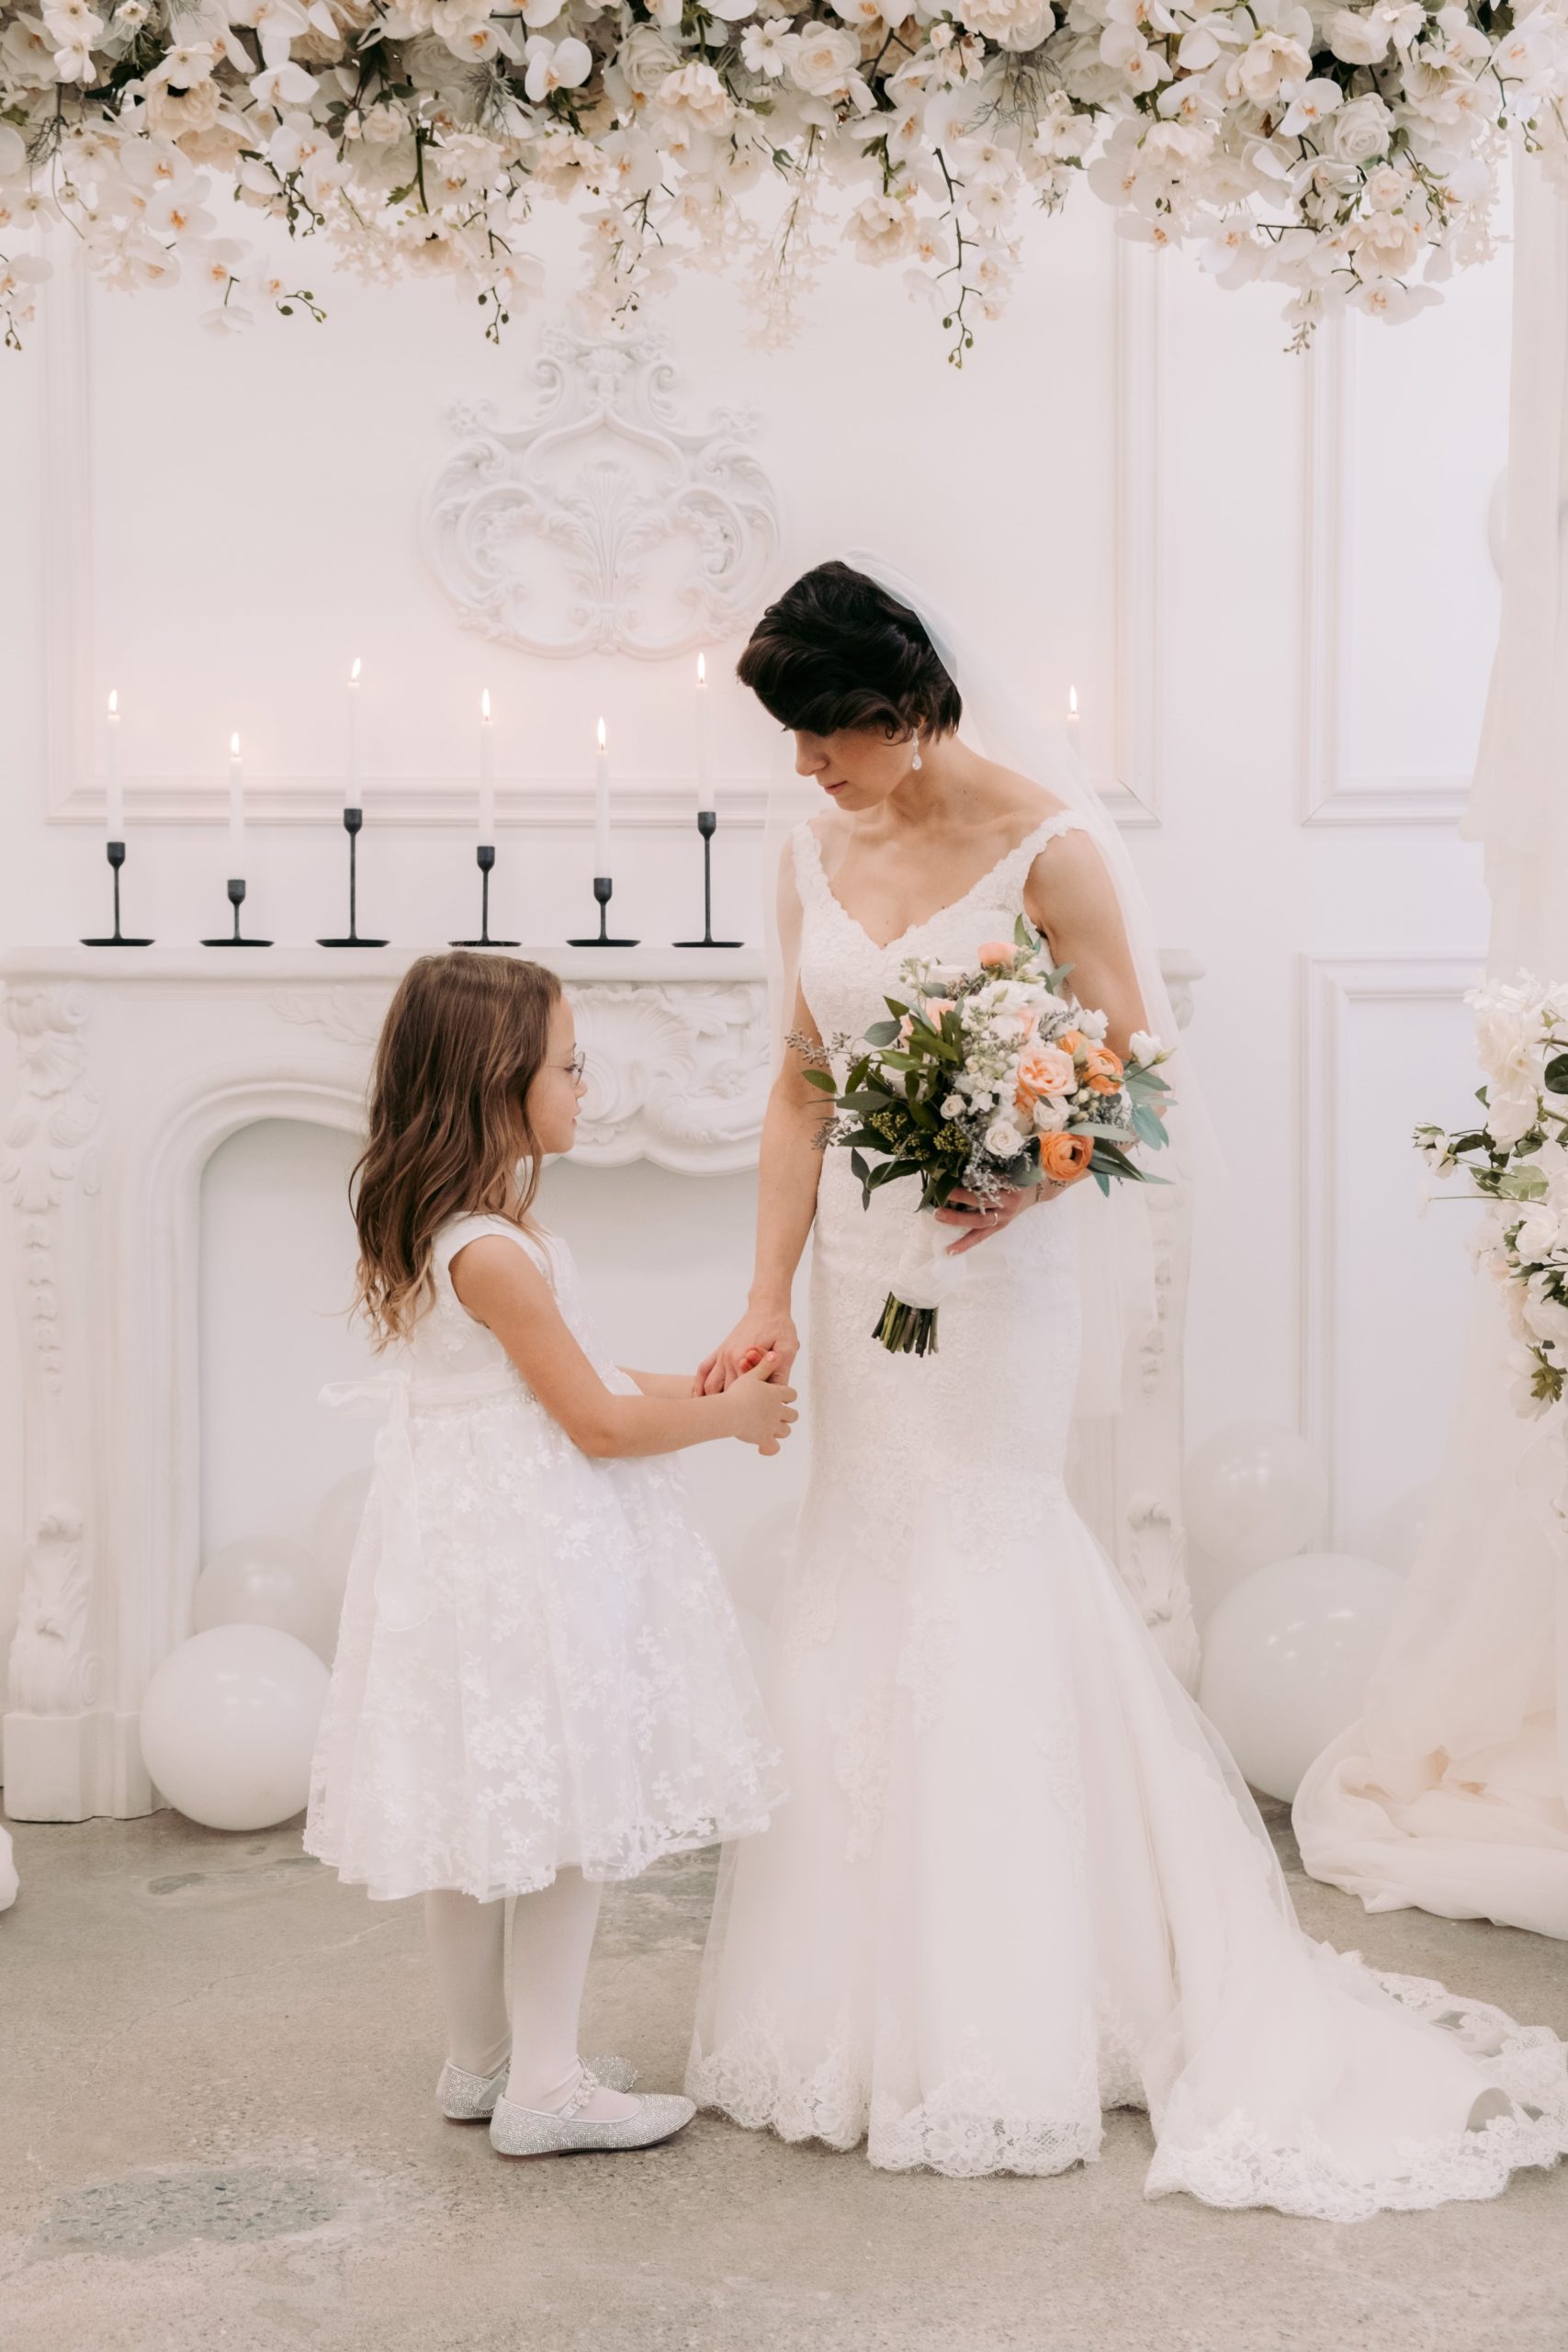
(764,1408)
(757,1334)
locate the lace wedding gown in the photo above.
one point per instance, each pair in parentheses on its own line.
(1019,1881)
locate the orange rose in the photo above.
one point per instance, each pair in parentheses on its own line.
(1102,1069)
(1042,1071)
(1064,1158)
(1071,1041)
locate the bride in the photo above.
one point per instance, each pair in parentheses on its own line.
(1019,1881)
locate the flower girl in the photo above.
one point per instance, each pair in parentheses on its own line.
(539,1682)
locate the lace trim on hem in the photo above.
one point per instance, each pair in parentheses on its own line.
(637,1854)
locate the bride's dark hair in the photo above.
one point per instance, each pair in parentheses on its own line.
(837,651)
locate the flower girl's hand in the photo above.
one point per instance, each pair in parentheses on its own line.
(763,1408)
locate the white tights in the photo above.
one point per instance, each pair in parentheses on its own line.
(529,2005)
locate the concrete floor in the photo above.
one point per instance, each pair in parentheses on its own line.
(216,2129)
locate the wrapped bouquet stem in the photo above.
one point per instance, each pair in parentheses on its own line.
(988,1080)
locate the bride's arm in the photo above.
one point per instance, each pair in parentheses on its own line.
(1071,899)
(789,1168)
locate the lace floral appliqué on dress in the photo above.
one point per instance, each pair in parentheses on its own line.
(1019,1881)
(538,1664)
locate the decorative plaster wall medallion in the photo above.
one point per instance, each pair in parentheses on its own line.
(606,525)
(53,1666)
(678,1075)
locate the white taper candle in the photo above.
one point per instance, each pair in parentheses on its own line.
(114,796)
(487,770)
(351,771)
(704,778)
(602,806)
(236,809)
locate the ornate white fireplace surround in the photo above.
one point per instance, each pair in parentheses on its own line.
(133,1070)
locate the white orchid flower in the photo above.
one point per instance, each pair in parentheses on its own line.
(556,65)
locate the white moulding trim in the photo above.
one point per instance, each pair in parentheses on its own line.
(1331,988)
(1328,791)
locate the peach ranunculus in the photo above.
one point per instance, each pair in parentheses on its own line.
(996,951)
(1064,1158)
(1073,1041)
(935,1006)
(1043,1070)
(1102,1071)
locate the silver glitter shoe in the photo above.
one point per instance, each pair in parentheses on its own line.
(517,2131)
(471,2099)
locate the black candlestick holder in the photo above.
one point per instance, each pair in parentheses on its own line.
(484,857)
(352,821)
(706,824)
(114,853)
(603,886)
(236,938)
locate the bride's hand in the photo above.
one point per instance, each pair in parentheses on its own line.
(981,1218)
(760,1330)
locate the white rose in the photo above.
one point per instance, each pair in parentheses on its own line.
(1049,1116)
(1360,131)
(1539,1232)
(1511,1116)
(1004,1142)
(1143,1046)
(954,1107)
(825,61)
(1011,24)
(1546,1317)
(698,91)
(1386,246)
(1357,40)
(880,229)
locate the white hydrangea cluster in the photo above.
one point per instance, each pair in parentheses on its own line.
(1350,152)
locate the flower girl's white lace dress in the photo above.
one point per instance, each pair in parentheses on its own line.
(538,1664)
(1019,1881)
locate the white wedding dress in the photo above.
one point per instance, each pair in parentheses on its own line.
(1018,1880)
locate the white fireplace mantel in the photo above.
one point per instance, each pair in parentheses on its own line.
(134,1066)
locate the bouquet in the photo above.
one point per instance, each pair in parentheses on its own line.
(990,1080)
(1516,1154)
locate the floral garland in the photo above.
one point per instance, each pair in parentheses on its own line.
(1517,1156)
(1350,153)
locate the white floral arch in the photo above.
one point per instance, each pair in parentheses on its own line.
(1350,152)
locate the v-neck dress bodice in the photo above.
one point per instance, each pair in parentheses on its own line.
(1019,1881)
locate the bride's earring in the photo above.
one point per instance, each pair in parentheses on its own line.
(916,762)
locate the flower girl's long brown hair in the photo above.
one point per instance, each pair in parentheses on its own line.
(459,1050)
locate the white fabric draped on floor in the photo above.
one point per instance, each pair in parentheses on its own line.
(1452,1792)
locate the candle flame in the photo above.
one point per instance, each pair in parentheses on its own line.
(234,746)
(1072,702)
(601,735)
(701,669)
(484,705)
(114,702)
(354,674)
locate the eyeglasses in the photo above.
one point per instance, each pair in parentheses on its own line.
(577,1065)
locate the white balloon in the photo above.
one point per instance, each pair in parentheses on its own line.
(228,1725)
(1254,1492)
(1286,1658)
(1403,1525)
(337,1525)
(265,1581)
